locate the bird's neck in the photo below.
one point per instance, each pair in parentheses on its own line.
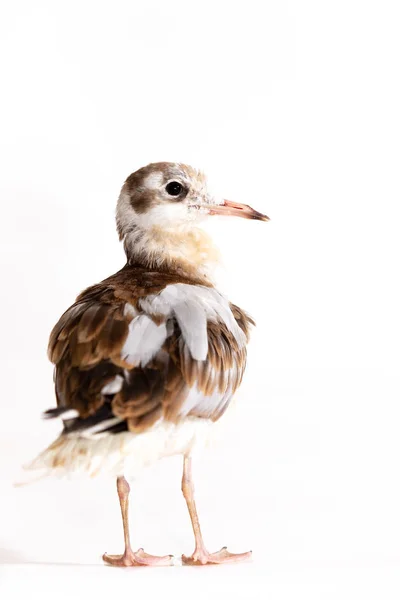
(190,252)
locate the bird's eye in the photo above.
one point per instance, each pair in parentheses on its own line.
(174,188)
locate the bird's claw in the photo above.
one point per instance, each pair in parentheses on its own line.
(202,557)
(138,559)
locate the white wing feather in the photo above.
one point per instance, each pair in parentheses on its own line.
(144,340)
(193,306)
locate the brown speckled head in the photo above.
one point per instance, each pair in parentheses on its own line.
(147,186)
(161,194)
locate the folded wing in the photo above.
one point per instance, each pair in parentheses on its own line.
(124,364)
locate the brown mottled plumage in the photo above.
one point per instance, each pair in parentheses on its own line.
(85,345)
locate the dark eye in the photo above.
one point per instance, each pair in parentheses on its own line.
(174,188)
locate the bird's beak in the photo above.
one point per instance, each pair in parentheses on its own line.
(235,209)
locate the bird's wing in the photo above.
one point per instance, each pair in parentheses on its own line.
(123,364)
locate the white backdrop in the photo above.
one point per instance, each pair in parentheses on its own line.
(292,107)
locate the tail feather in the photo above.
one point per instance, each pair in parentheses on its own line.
(60,412)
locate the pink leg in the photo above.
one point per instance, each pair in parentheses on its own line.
(201,556)
(130,558)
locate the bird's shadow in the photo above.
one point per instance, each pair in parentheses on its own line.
(12,557)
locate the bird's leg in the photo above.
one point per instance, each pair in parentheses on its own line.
(130,558)
(200,555)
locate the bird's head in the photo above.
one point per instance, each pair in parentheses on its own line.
(159,210)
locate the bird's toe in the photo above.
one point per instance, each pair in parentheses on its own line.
(203,557)
(138,559)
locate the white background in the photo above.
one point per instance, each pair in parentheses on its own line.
(292,107)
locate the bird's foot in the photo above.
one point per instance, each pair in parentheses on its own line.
(138,559)
(202,557)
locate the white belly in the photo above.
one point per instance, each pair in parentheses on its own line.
(123,453)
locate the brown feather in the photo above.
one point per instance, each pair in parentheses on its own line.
(140,424)
(92,322)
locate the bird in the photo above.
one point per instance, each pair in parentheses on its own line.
(148,360)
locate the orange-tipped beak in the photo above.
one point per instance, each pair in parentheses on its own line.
(235,209)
